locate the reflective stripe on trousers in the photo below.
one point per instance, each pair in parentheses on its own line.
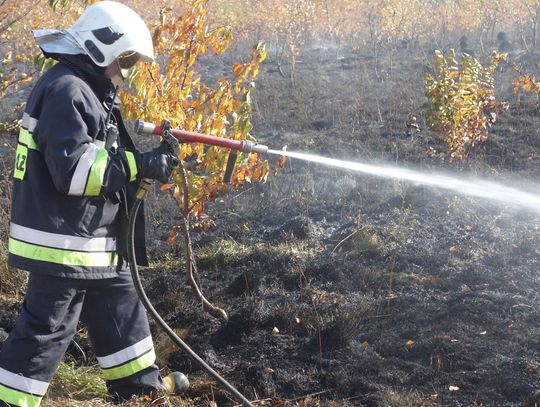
(21,391)
(117,326)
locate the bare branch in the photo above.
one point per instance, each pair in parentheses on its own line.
(191,267)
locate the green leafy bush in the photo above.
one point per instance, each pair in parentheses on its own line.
(461,101)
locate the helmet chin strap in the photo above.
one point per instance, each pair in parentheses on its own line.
(118,81)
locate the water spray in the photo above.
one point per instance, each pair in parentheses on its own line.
(472,186)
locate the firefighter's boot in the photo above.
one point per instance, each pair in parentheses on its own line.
(176,383)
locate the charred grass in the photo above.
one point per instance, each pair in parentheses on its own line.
(372,292)
(344,289)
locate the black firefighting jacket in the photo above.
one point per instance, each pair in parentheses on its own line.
(71,194)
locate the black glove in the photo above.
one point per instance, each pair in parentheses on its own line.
(158,163)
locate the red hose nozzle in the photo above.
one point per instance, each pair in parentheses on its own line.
(246,146)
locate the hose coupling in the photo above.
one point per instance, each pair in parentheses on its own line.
(144,187)
(142,127)
(249,147)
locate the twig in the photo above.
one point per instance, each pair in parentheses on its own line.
(80,349)
(191,267)
(353,398)
(344,240)
(522,306)
(319,333)
(378,316)
(242,193)
(256,402)
(319,393)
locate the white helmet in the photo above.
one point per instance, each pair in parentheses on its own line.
(108,30)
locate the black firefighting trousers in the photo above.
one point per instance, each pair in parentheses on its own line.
(117,327)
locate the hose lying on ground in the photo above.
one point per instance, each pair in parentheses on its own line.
(150,308)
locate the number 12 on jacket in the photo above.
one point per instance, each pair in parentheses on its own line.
(21,156)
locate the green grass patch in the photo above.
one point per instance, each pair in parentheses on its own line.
(410,399)
(229,253)
(78,382)
(221,253)
(83,386)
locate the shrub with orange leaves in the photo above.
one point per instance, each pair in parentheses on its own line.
(11,14)
(22,59)
(527,83)
(461,101)
(172,88)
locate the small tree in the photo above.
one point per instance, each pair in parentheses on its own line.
(461,101)
(11,16)
(173,89)
(22,61)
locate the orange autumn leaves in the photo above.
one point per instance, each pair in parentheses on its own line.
(172,88)
(461,102)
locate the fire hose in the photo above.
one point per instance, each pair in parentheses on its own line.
(182,137)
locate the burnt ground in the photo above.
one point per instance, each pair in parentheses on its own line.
(352,288)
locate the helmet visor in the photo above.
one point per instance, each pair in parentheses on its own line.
(127,60)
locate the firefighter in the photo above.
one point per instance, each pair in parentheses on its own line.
(75,177)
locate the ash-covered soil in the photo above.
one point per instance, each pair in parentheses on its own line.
(359,287)
(357,294)
(353,288)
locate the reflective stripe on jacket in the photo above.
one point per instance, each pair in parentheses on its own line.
(69,192)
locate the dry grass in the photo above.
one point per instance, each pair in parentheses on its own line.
(135,402)
(78,382)
(82,386)
(12,281)
(229,253)
(361,241)
(410,399)
(311,401)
